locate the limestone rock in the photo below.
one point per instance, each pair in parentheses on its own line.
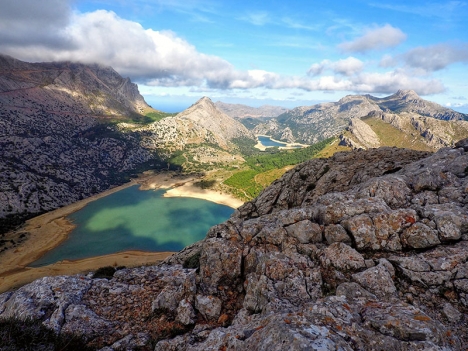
(342,256)
(419,236)
(336,233)
(378,280)
(305,231)
(185,312)
(208,306)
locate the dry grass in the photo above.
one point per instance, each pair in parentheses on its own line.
(391,136)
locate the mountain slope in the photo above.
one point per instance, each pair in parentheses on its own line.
(409,101)
(406,129)
(54,150)
(84,89)
(200,123)
(367,250)
(310,124)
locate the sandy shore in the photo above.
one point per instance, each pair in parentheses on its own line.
(23,275)
(50,229)
(190,190)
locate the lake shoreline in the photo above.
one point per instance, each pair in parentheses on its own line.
(49,230)
(289,146)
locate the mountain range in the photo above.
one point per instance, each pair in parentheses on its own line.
(309,124)
(364,250)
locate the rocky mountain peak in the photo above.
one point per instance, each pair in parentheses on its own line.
(406,94)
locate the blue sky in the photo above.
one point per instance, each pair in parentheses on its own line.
(254,52)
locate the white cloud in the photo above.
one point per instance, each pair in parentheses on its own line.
(30,21)
(436,57)
(375,39)
(161,58)
(347,67)
(388,61)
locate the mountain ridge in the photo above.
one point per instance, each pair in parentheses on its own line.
(310,124)
(54,147)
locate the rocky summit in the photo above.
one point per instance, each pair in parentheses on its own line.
(367,250)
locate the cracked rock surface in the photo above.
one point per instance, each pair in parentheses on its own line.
(366,250)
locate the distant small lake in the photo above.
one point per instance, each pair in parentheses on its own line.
(131,219)
(267,142)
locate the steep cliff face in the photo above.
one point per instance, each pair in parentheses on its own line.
(367,250)
(68,86)
(53,150)
(310,124)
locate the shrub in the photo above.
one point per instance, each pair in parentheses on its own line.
(104,272)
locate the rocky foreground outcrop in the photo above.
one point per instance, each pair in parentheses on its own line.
(366,250)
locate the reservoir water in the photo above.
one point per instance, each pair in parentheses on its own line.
(267,142)
(131,219)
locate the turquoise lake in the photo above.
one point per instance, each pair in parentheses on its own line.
(131,219)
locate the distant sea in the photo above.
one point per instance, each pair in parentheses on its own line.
(131,219)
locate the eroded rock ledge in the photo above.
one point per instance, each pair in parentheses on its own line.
(364,251)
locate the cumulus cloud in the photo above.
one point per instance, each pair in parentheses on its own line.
(32,21)
(162,58)
(388,61)
(158,57)
(347,67)
(436,57)
(375,39)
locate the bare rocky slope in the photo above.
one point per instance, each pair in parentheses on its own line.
(53,148)
(310,124)
(202,136)
(405,129)
(200,123)
(367,250)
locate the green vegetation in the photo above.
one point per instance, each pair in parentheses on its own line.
(244,181)
(391,136)
(104,272)
(268,161)
(205,184)
(193,261)
(148,117)
(246,146)
(332,149)
(31,335)
(155,116)
(263,168)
